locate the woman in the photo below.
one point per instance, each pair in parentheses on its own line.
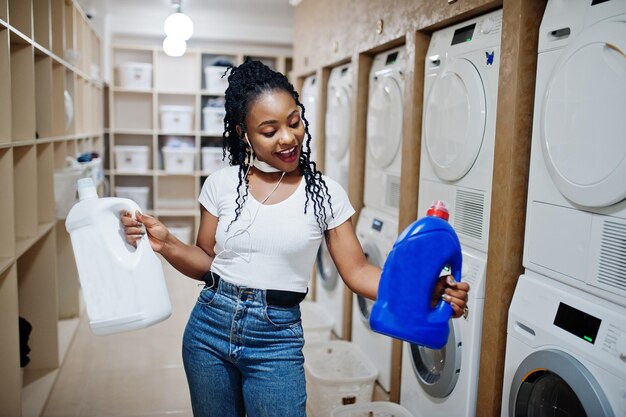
(262,221)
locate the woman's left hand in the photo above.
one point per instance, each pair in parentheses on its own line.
(452,292)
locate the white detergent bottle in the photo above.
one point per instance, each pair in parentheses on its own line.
(123,286)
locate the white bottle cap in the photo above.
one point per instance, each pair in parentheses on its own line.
(86,189)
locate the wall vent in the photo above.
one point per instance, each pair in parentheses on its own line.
(392,197)
(612,262)
(469,210)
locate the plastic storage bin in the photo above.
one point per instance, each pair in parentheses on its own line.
(138,194)
(212,159)
(135,75)
(317,323)
(65,190)
(338,373)
(178,160)
(373,409)
(131,158)
(176,118)
(181,231)
(213,120)
(215,83)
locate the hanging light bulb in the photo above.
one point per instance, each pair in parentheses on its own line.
(178,25)
(174,46)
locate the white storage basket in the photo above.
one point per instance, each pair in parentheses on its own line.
(176,118)
(215,83)
(373,409)
(317,323)
(181,231)
(131,158)
(213,120)
(65,189)
(137,75)
(212,159)
(138,194)
(178,160)
(337,373)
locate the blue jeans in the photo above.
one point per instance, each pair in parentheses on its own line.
(243,356)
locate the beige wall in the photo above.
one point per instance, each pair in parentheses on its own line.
(328,32)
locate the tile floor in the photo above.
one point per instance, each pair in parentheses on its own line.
(139,373)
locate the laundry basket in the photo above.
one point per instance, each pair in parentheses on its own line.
(337,373)
(317,323)
(373,409)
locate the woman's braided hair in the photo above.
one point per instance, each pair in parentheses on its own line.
(246,83)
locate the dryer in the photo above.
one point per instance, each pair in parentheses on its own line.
(377,232)
(309,98)
(576,211)
(458,130)
(384,131)
(330,287)
(445,382)
(338,118)
(565,351)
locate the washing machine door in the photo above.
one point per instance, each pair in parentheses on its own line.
(376,258)
(338,122)
(552,382)
(438,370)
(384,119)
(582,117)
(454,119)
(329,276)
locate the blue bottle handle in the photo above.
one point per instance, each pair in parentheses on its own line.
(403,309)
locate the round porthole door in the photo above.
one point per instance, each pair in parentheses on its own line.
(384,120)
(338,122)
(582,118)
(437,370)
(551,382)
(329,276)
(374,257)
(454,119)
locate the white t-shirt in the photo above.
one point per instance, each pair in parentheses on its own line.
(269,246)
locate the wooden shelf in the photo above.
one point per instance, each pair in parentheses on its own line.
(35,70)
(136,120)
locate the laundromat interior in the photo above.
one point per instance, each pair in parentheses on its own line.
(511,112)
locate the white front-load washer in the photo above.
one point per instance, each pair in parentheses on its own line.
(576,211)
(309,99)
(330,287)
(377,231)
(444,382)
(565,352)
(384,131)
(459,120)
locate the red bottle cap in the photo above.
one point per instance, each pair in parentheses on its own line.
(438,209)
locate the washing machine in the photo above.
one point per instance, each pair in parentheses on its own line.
(444,382)
(576,211)
(384,131)
(459,120)
(377,232)
(330,287)
(565,352)
(309,98)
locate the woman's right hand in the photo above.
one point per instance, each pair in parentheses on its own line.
(142,224)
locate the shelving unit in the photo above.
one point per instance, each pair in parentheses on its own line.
(136,121)
(47,47)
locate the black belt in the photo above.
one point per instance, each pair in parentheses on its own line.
(280,298)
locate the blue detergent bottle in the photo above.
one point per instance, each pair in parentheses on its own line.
(403,309)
